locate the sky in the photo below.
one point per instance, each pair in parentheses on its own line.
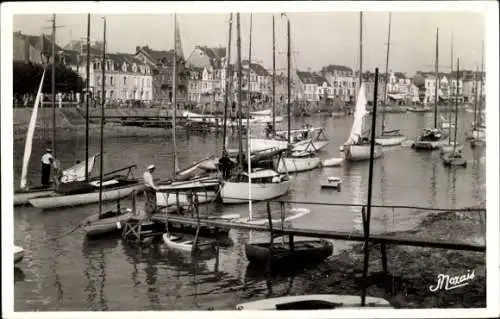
(318,39)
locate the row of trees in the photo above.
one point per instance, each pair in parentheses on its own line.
(27,76)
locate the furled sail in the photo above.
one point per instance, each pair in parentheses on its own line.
(31,131)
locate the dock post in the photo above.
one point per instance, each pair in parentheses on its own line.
(134,202)
(270,257)
(195,241)
(384,258)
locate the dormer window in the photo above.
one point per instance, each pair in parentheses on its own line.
(124,67)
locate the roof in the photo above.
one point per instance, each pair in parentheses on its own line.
(39,42)
(400,75)
(257,68)
(335,67)
(311,78)
(215,55)
(120,58)
(81,46)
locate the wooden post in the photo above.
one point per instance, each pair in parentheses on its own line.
(384,258)
(177,201)
(134,202)
(195,241)
(270,257)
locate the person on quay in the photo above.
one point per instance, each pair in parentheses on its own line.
(47,160)
(150,191)
(225,165)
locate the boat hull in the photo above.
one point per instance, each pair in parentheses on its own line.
(298,164)
(23,197)
(237,193)
(308,146)
(361,152)
(307,251)
(332,162)
(205,190)
(58,201)
(390,140)
(174,242)
(429,145)
(93,226)
(315,302)
(18,254)
(445,149)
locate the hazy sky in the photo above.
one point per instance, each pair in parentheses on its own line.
(318,39)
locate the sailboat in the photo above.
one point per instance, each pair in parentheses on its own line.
(357,147)
(432,138)
(478,135)
(265,183)
(390,137)
(455,158)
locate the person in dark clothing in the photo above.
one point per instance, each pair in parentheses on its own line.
(47,160)
(269,129)
(225,165)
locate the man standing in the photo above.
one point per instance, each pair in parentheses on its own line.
(47,160)
(150,191)
(225,165)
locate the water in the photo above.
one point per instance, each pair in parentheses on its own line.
(71,273)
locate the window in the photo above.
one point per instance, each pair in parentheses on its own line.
(124,80)
(111,80)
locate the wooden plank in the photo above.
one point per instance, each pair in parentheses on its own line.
(330,234)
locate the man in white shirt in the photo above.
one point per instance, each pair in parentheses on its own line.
(47,160)
(150,191)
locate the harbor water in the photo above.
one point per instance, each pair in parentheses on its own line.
(69,272)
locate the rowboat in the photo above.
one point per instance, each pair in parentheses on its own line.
(332,182)
(454,159)
(178,243)
(18,254)
(120,189)
(299,163)
(304,251)
(314,302)
(106,223)
(431,139)
(265,184)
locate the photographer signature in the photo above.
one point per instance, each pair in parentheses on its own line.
(447,282)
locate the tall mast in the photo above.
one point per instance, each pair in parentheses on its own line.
(289,58)
(174,96)
(437,79)
(249,141)
(456,97)
(238,45)
(53,85)
(481,84)
(274,79)
(87,72)
(226,97)
(475,99)
(360,49)
(102,115)
(386,73)
(456,108)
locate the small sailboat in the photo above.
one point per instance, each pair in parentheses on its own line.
(18,254)
(357,147)
(313,302)
(390,137)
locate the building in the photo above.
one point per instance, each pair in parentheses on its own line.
(312,87)
(32,48)
(342,81)
(472,86)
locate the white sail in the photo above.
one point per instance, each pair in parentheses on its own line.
(359,114)
(31,131)
(77,172)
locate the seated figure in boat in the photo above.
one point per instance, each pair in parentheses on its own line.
(225,165)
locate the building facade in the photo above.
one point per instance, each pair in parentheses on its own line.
(342,81)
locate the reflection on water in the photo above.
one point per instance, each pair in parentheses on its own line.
(71,273)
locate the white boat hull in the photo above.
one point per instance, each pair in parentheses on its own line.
(429,145)
(449,148)
(18,254)
(390,140)
(337,301)
(93,226)
(298,164)
(237,193)
(332,162)
(173,242)
(84,199)
(361,152)
(167,197)
(23,198)
(293,213)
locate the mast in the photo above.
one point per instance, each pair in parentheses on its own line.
(174,95)
(360,49)
(456,97)
(366,221)
(102,115)
(226,97)
(437,79)
(53,85)
(238,45)
(481,83)
(274,79)
(386,73)
(475,99)
(87,72)
(289,58)
(249,141)
(456,109)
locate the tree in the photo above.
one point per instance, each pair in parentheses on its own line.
(27,78)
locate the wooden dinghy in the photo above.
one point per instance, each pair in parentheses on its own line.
(111,193)
(332,182)
(300,163)
(179,243)
(106,223)
(306,251)
(314,302)
(454,159)
(18,254)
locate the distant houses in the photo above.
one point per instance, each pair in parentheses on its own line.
(146,76)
